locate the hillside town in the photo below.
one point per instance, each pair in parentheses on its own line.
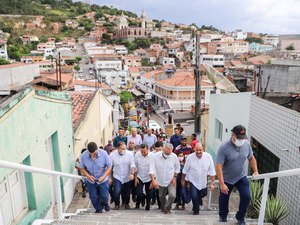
(125,77)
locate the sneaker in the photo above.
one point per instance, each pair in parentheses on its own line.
(98,211)
(147,207)
(222,219)
(143,202)
(166,211)
(84,194)
(127,207)
(240,221)
(107,208)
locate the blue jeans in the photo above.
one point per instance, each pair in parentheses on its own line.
(98,194)
(197,196)
(243,188)
(140,193)
(121,189)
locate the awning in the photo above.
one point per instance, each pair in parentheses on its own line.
(136,92)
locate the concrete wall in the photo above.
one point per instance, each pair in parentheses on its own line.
(283,78)
(97,125)
(278,128)
(14,75)
(230,110)
(25,125)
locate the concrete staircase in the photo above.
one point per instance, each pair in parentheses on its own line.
(142,217)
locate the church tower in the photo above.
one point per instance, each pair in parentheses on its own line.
(122,22)
(143,19)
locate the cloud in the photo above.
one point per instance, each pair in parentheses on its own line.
(261,16)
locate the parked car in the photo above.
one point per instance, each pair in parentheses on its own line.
(133,123)
(153,125)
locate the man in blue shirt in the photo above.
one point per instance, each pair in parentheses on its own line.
(231,172)
(95,165)
(176,138)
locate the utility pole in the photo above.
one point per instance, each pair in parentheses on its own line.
(197,74)
(59,64)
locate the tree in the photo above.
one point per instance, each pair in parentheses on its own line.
(145,62)
(4,61)
(125,96)
(254,39)
(77,68)
(141,43)
(78,58)
(290,47)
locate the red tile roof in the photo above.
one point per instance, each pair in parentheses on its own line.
(81,102)
(183,78)
(134,69)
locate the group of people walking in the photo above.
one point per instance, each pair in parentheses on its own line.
(154,169)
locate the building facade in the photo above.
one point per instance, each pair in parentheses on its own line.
(36,126)
(275,138)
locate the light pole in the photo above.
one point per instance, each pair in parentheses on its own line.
(197,73)
(148,97)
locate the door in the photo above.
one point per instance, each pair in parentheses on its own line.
(6,211)
(12,197)
(17,196)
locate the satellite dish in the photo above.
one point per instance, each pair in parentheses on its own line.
(219,80)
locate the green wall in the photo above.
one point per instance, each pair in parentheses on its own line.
(25,124)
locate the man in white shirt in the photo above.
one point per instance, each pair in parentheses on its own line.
(143,159)
(149,138)
(123,173)
(164,170)
(197,166)
(135,137)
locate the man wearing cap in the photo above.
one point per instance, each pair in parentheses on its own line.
(230,168)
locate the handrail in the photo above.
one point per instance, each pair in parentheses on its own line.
(283,173)
(56,175)
(25,168)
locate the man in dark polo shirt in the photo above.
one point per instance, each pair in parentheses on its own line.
(230,168)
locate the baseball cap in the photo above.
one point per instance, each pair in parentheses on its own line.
(240,132)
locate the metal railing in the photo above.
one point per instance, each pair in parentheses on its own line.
(56,178)
(57,189)
(266,178)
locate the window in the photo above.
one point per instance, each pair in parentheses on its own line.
(219,130)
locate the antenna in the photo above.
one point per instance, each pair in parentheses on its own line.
(219,80)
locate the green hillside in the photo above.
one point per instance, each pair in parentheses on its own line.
(61,9)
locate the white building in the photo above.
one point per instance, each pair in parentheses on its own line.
(121,50)
(108,65)
(100,50)
(113,77)
(213,60)
(166,61)
(273,132)
(17,74)
(239,35)
(271,40)
(235,47)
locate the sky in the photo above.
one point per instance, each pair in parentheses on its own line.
(259,16)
